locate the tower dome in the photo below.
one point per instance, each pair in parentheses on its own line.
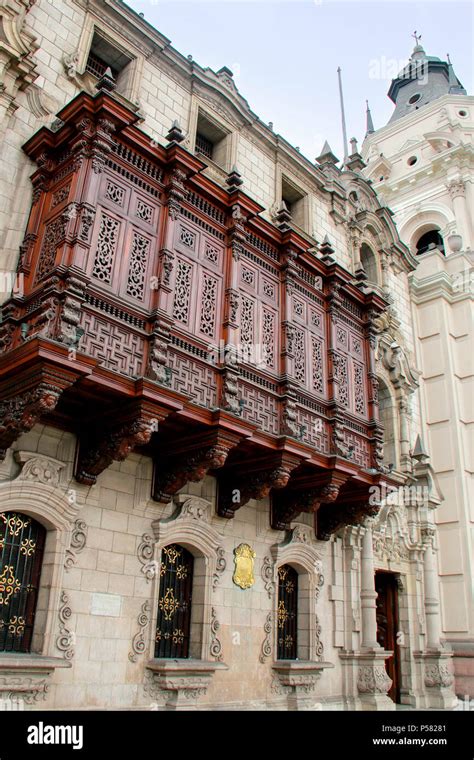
(424,79)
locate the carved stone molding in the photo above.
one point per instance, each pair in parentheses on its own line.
(266,650)
(438,675)
(268,575)
(27,677)
(38,468)
(65,640)
(17,52)
(297,679)
(373,679)
(145,554)
(190,462)
(77,545)
(182,681)
(221,565)
(139,641)
(216,646)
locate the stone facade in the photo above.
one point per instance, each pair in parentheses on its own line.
(422,165)
(95,626)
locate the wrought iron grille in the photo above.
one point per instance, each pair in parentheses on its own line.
(204,146)
(287,616)
(97,67)
(21,556)
(174,603)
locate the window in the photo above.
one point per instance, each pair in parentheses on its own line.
(412,161)
(104,54)
(212,140)
(414,99)
(287,613)
(369,263)
(21,555)
(388,420)
(173,625)
(204,146)
(295,201)
(429,241)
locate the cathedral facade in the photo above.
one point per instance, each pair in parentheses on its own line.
(214,491)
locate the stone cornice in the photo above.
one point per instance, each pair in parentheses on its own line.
(439,285)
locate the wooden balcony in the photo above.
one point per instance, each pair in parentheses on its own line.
(161,313)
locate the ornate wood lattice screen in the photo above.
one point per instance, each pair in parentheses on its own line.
(174,602)
(287,613)
(21,556)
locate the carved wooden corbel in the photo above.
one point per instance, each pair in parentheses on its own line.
(318,490)
(330,518)
(115,441)
(190,462)
(19,413)
(243,483)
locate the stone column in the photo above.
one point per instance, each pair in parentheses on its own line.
(458,196)
(405,459)
(368,594)
(433,622)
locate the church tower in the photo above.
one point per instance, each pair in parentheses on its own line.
(422,165)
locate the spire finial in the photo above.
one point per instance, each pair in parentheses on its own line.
(370,124)
(417,37)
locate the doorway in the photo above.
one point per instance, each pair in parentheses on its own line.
(388,626)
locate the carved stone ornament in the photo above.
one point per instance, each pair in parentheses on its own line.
(266,651)
(65,640)
(268,575)
(37,468)
(180,682)
(437,675)
(216,646)
(77,545)
(373,679)
(244,557)
(138,641)
(146,551)
(221,565)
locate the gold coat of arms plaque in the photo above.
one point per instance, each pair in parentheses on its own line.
(244,556)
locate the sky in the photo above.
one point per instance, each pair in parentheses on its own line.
(285,54)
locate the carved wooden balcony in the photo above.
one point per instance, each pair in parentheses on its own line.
(161,312)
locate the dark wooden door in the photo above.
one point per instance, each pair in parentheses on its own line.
(387,627)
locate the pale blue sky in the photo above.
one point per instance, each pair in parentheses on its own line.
(284,54)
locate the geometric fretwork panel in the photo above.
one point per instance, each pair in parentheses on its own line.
(361,453)
(194,379)
(260,408)
(120,350)
(314,430)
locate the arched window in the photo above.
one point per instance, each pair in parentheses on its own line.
(387,418)
(21,557)
(173,625)
(429,241)
(369,262)
(287,613)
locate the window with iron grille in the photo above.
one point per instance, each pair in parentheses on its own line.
(287,614)
(204,146)
(174,603)
(97,67)
(21,556)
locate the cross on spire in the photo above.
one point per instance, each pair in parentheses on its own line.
(416,36)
